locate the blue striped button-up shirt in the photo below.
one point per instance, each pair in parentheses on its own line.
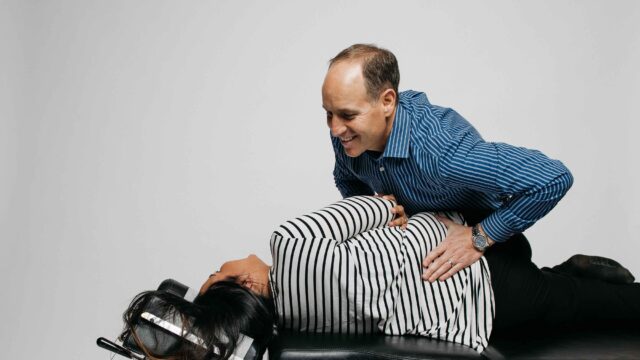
(434,160)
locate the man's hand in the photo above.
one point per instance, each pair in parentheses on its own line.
(455,253)
(400,218)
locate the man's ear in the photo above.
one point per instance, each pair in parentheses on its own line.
(388,99)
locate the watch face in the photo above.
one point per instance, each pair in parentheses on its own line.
(480,242)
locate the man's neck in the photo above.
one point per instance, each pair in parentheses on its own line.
(374,154)
(389,129)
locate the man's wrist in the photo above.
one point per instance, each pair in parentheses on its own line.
(479,238)
(490,241)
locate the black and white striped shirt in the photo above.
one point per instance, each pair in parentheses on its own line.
(343,270)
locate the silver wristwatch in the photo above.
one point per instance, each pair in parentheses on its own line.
(478,240)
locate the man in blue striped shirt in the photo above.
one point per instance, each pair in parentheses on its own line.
(431,159)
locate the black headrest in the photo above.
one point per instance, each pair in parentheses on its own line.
(160,329)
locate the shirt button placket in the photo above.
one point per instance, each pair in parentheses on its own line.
(381,174)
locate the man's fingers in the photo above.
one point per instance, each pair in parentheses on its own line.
(441,266)
(433,261)
(398,209)
(463,260)
(431,256)
(401,221)
(400,218)
(452,271)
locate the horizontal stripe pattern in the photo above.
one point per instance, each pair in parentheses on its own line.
(342,270)
(434,160)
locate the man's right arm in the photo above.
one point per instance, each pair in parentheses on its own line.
(346,182)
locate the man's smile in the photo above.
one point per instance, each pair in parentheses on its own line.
(345,140)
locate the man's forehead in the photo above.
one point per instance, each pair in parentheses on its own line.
(343,88)
(346,71)
(344,102)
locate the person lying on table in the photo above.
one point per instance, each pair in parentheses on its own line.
(342,269)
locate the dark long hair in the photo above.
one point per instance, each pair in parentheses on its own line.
(219,316)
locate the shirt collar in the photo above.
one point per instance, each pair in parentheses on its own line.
(398,143)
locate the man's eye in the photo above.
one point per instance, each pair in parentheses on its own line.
(348,116)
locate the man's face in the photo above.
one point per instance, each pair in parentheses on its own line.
(360,123)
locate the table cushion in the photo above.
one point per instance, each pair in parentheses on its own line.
(578,342)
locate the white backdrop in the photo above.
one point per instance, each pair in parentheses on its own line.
(143,140)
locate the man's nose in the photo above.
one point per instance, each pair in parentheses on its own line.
(337,126)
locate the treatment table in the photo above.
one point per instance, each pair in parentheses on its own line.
(615,341)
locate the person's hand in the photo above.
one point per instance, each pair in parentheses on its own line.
(400,218)
(454,253)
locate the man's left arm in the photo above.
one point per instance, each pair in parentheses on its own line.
(529,183)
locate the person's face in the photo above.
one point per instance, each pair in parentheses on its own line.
(359,123)
(244,270)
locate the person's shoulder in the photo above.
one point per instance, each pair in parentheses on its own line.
(425,115)
(416,104)
(433,127)
(428,127)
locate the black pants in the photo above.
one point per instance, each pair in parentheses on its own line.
(527,295)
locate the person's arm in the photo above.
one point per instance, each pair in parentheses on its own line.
(341,220)
(530,182)
(346,182)
(310,260)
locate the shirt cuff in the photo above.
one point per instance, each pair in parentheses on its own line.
(496,229)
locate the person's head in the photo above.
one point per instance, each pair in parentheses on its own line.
(223,310)
(250,272)
(359,94)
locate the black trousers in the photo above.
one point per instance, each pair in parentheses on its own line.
(526,295)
